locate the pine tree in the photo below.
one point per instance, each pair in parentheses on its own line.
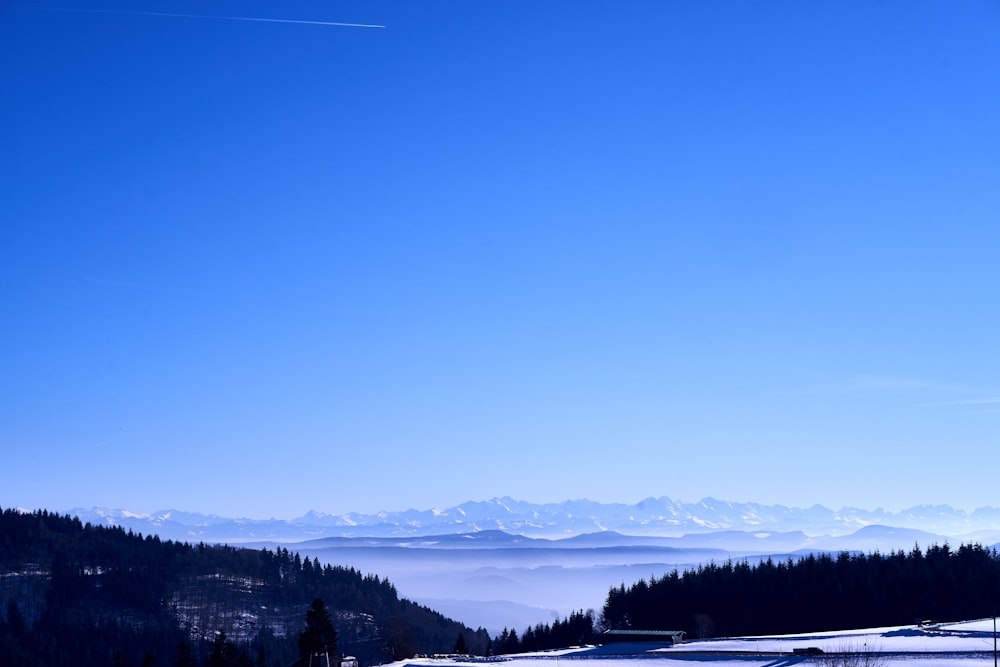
(319,637)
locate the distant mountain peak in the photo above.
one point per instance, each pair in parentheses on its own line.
(653,517)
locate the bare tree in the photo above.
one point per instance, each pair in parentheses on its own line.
(856,654)
(705,626)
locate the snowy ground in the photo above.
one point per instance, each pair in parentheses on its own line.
(967,644)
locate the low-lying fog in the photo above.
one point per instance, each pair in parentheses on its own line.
(512,588)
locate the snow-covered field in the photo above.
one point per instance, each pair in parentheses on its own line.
(967,637)
(966,644)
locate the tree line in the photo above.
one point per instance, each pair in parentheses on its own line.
(578,629)
(816,592)
(79,594)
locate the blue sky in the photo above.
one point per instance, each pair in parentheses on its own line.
(549,250)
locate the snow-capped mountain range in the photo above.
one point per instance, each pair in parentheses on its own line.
(653,517)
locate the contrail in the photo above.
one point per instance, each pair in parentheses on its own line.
(209,16)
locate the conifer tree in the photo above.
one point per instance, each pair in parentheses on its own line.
(319,636)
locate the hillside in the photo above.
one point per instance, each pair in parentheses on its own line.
(74,593)
(817,592)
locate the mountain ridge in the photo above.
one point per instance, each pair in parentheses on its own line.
(650,517)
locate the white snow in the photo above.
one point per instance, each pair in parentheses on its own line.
(966,637)
(965,644)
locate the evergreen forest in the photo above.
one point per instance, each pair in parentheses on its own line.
(78,594)
(813,593)
(578,629)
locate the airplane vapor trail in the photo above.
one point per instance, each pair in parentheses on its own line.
(211,16)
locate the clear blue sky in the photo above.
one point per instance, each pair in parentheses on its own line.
(552,250)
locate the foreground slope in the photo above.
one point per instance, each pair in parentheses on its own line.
(961,644)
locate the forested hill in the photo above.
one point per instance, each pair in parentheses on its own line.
(75,594)
(813,593)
